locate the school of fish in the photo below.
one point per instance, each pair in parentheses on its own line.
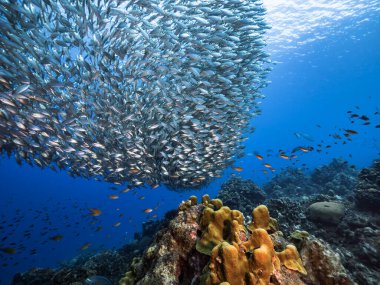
(139,91)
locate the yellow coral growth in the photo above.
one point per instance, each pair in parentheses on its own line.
(261,217)
(229,264)
(217,203)
(217,226)
(264,259)
(194,200)
(291,259)
(236,260)
(262,220)
(247,263)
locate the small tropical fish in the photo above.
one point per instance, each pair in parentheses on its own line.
(267,165)
(305,149)
(116,225)
(113,197)
(148,210)
(85,246)
(56,238)
(126,190)
(238,168)
(284,156)
(258,156)
(95,212)
(351,132)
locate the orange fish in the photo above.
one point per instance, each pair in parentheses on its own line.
(155,186)
(284,156)
(113,197)
(238,168)
(95,212)
(267,165)
(148,210)
(258,156)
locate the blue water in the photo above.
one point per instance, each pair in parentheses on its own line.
(313,85)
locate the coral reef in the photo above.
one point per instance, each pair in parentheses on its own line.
(367,193)
(338,177)
(236,257)
(202,244)
(242,195)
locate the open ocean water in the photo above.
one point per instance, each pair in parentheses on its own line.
(326,67)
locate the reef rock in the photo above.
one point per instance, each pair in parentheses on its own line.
(336,178)
(367,194)
(171,259)
(324,267)
(242,195)
(326,212)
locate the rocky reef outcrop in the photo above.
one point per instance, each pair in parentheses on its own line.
(241,194)
(367,193)
(337,177)
(210,244)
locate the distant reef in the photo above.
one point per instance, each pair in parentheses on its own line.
(318,228)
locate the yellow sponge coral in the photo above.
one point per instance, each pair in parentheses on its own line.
(262,220)
(217,226)
(291,259)
(236,260)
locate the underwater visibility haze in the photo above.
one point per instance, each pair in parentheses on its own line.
(113,112)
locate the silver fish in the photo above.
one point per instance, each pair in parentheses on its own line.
(137,92)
